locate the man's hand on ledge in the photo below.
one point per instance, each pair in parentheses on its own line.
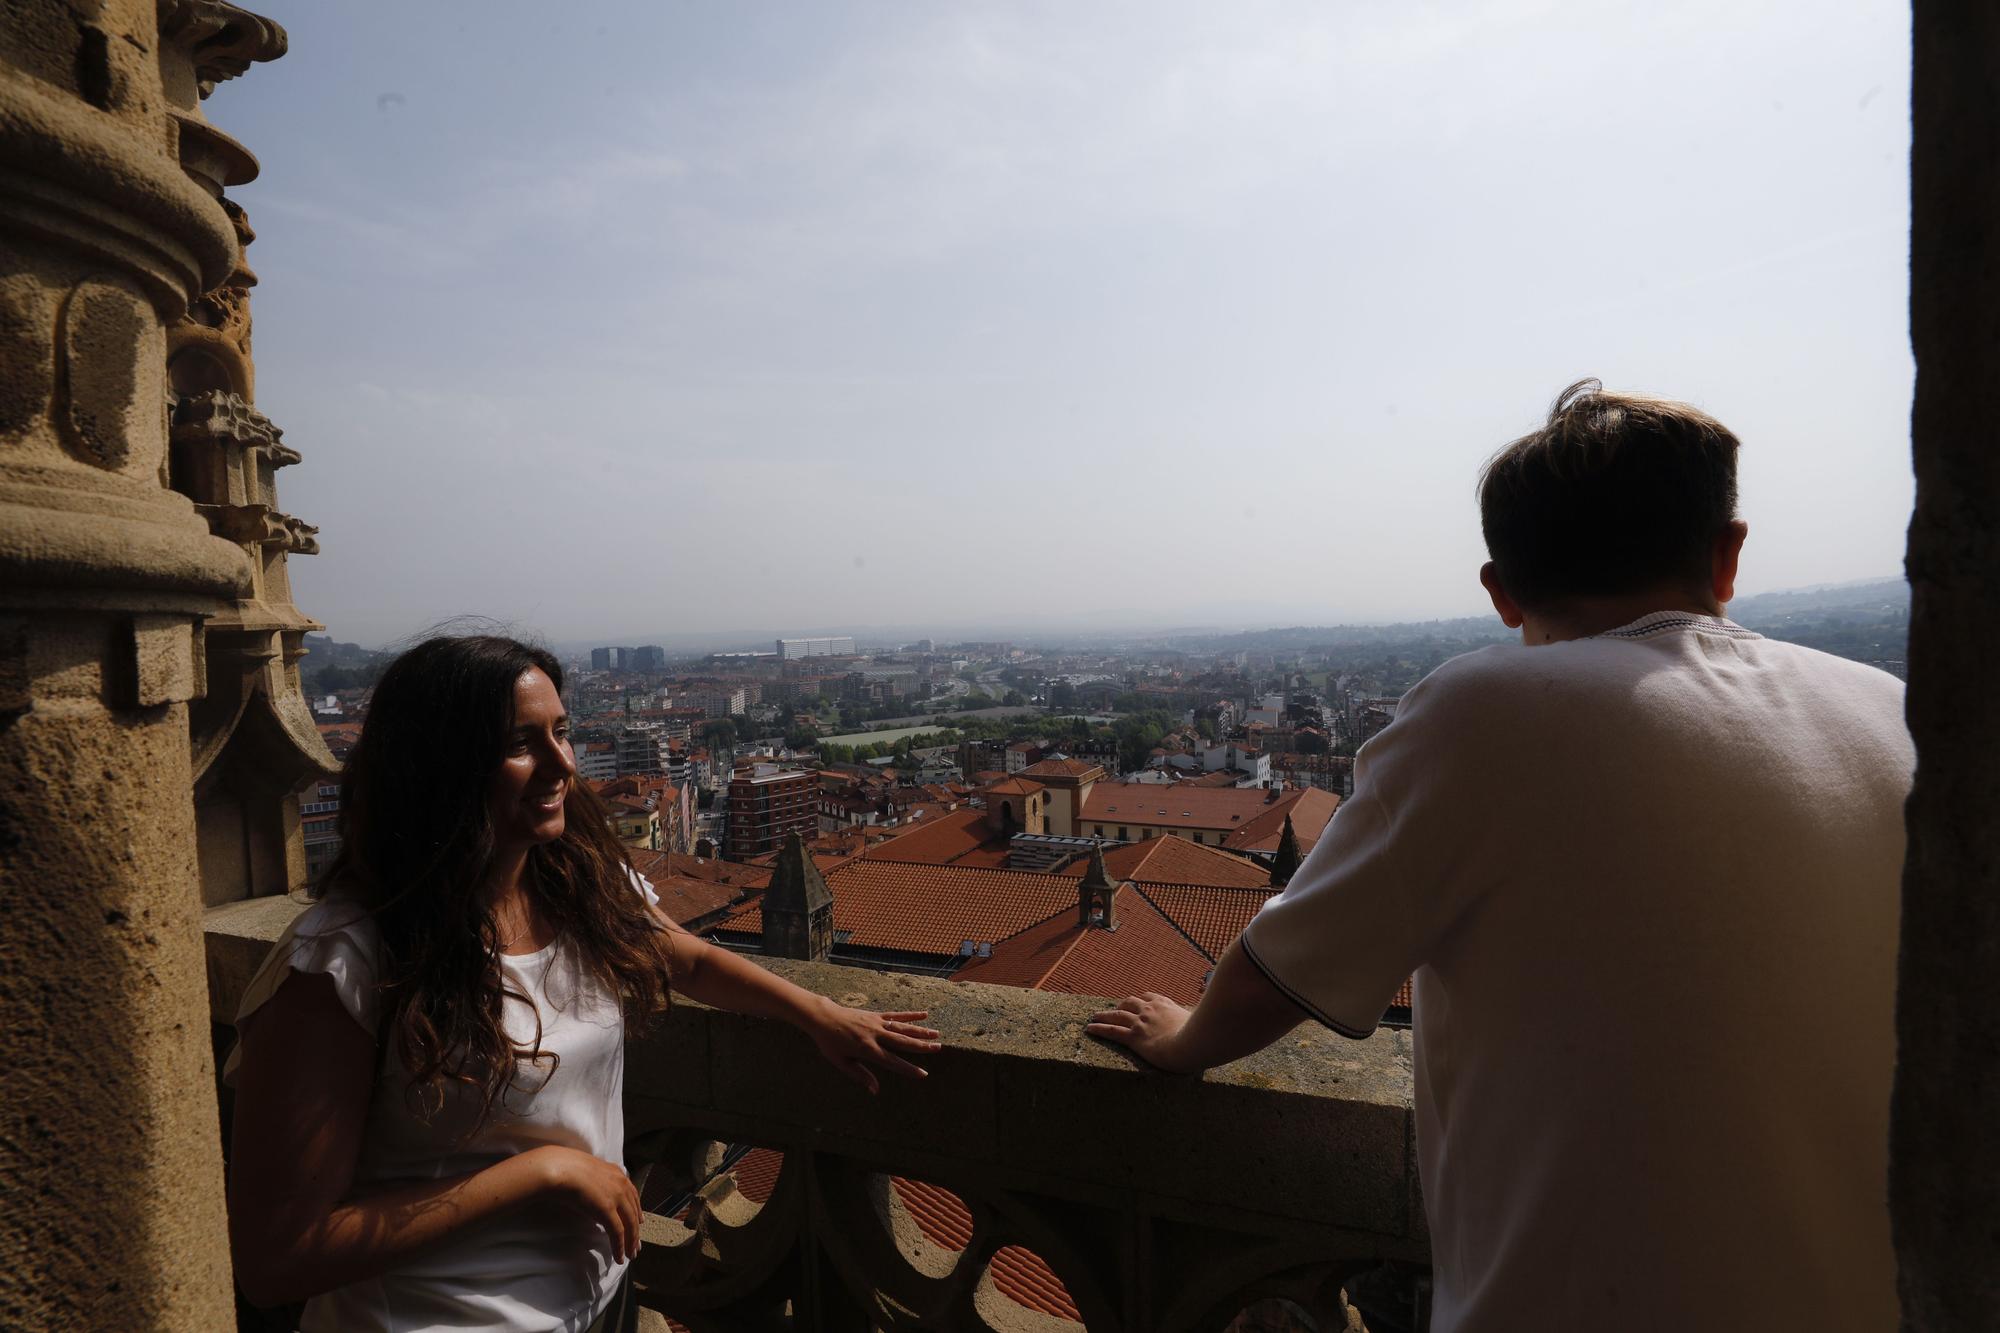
(1240,1012)
(1146,1025)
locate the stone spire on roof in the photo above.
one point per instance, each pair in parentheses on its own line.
(798,907)
(1285,863)
(1094,893)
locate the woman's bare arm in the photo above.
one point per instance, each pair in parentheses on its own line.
(296,1227)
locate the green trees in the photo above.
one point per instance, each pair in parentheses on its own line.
(1137,735)
(332,679)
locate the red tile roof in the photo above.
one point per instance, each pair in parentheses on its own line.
(928,909)
(634,787)
(1174,805)
(1060,768)
(1019,1274)
(1014,787)
(990,856)
(1310,809)
(1212,917)
(657,866)
(1025,959)
(757,1173)
(1169,860)
(1145,952)
(686,899)
(942,841)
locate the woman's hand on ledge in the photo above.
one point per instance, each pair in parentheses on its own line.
(858,1042)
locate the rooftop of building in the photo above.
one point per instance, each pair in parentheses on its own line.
(766,774)
(1310,809)
(1170,860)
(1061,768)
(1189,806)
(942,841)
(1143,951)
(926,909)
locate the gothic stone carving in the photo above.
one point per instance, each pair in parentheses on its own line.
(253,740)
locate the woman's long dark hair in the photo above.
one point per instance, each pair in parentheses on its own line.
(416,845)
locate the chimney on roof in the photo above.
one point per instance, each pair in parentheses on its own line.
(798,907)
(1094,893)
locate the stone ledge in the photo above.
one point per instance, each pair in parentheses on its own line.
(1315,1132)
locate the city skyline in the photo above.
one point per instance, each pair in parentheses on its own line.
(682,644)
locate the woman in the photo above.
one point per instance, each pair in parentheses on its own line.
(432,1058)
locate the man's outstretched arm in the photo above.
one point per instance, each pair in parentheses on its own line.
(1240,1012)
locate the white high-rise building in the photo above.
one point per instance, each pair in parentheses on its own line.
(791,649)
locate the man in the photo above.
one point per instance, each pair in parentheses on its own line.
(1644,868)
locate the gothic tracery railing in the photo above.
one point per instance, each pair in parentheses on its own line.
(1034,1175)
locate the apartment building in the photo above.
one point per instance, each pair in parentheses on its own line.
(766,803)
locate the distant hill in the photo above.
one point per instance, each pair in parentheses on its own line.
(1825,597)
(322,651)
(1868,622)
(330,666)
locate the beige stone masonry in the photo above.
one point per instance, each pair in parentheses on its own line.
(109,1161)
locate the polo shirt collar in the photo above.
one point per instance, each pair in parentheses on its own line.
(1667,622)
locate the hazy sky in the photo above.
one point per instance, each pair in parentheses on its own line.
(620,319)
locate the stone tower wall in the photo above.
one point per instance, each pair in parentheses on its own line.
(1944,1177)
(109,1156)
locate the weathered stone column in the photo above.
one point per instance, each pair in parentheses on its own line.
(1945,1152)
(109,1160)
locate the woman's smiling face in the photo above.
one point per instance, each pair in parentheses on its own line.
(525,798)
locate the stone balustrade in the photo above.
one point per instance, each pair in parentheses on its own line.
(1161,1203)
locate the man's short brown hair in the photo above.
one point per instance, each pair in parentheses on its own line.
(1617,493)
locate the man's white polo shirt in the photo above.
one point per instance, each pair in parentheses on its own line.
(1648,886)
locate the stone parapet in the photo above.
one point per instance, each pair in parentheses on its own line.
(1160,1202)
